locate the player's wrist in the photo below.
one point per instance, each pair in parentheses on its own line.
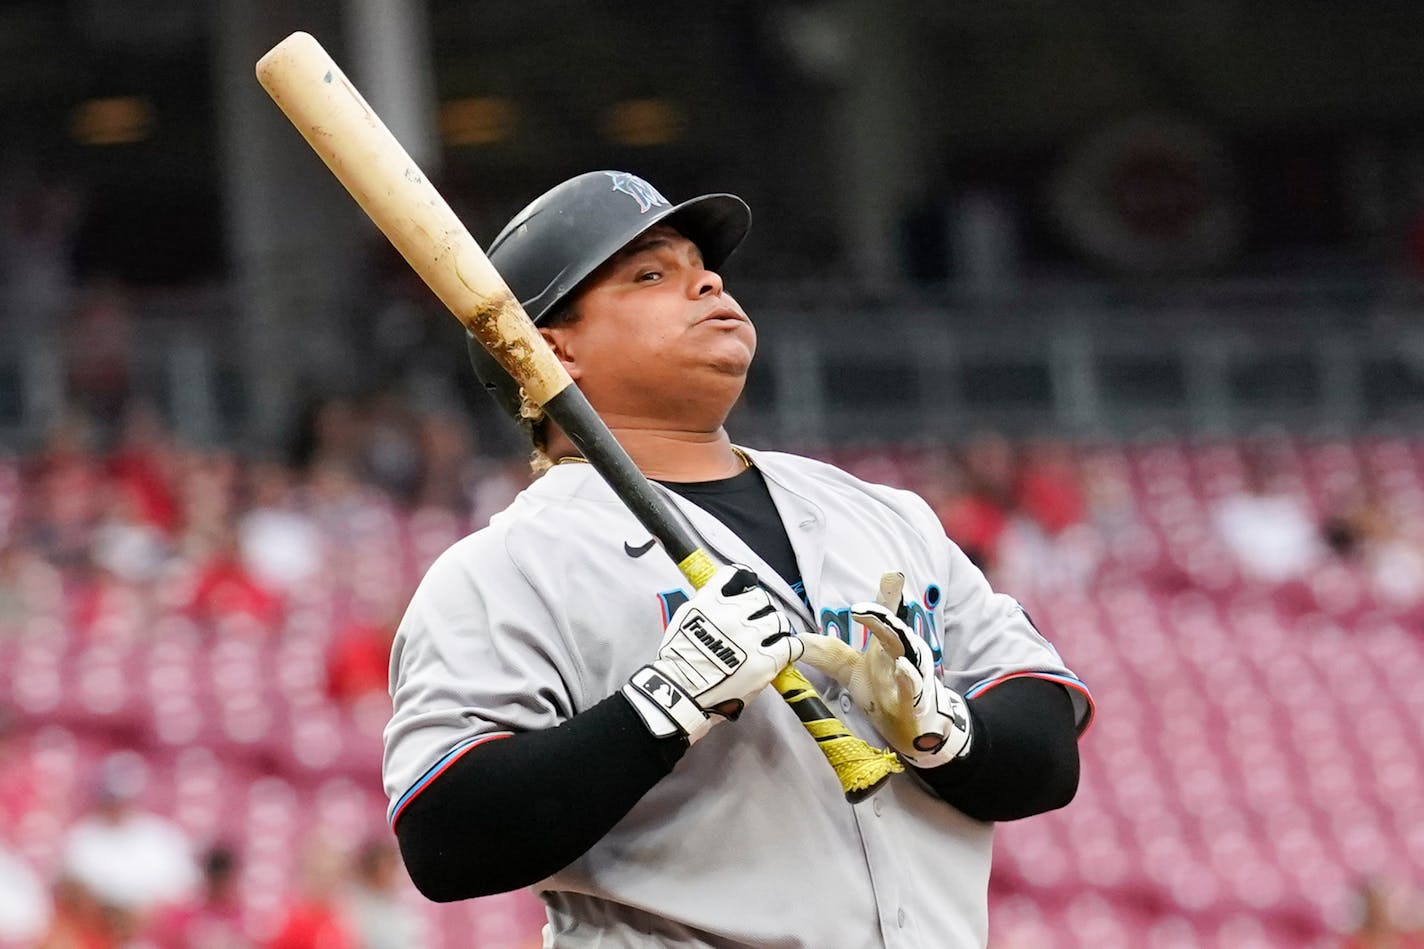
(665,706)
(954,742)
(719,650)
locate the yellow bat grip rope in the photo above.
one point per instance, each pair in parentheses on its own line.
(860,768)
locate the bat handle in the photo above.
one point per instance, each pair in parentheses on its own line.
(860,768)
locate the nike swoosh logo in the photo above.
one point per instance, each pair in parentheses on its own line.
(632,551)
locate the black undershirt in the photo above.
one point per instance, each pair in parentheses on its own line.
(744,505)
(513,811)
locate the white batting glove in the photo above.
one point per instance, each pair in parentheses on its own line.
(894,681)
(720,649)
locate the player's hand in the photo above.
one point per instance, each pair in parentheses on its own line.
(720,649)
(894,681)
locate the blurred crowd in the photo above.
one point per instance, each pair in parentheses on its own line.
(1020,513)
(128,878)
(1045,516)
(110,531)
(141,522)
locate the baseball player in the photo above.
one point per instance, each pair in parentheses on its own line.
(570,716)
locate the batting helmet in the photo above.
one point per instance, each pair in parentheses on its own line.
(574,228)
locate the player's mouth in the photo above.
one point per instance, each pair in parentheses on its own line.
(725,316)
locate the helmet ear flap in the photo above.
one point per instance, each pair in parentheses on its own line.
(511,398)
(494,379)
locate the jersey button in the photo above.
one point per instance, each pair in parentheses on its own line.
(845,703)
(900,918)
(878,806)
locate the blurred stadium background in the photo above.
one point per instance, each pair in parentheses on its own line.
(1130,292)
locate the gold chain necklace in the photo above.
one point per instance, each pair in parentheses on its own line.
(576,459)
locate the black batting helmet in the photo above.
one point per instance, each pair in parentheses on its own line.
(571,230)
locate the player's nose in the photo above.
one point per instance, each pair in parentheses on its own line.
(707,283)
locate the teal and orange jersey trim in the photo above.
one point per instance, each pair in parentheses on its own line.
(437,769)
(1068,682)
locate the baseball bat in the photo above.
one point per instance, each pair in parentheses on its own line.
(361,152)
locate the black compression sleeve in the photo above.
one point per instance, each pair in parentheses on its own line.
(1024,756)
(512,811)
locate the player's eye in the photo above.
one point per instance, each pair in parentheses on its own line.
(648,276)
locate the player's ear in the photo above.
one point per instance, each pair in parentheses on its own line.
(561,343)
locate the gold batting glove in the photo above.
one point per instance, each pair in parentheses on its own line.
(894,681)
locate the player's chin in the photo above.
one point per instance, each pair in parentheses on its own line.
(730,355)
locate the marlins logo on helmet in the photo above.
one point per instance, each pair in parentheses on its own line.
(639,190)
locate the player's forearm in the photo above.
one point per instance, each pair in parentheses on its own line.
(1024,757)
(513,811)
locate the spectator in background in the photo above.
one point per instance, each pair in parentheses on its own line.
(224,588)
(1046,545)
(214,920)
(334,497)
(358,666)
(99,349)
(39,218)
(128,552)
(314,918)
(30,587)
(390,450)
(1378,926)
(130,860)
(1268,528)
(446,451)
(1108,503)
(143,466)
(1015,518)
(378,915)
(329,433)
(127,555)
(281,546)
(1362,530)
(19,783)
(1048,490)
(24,903)
(976,518)
(80,921)
(207,499)
(125,543)
(495,488)
(939,479)
(63,495)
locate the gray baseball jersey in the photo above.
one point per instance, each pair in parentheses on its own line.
(748,842)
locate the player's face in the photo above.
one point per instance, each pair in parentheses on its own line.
(657,335)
